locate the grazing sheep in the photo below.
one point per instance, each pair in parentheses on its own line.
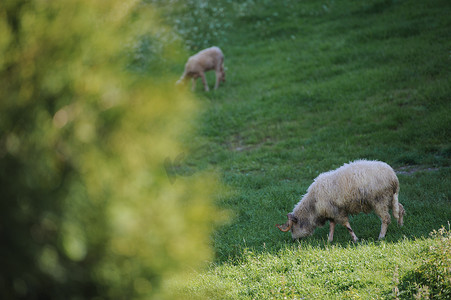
(206,60)
(360,186)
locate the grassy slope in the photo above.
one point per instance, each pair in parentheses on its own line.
(311,86)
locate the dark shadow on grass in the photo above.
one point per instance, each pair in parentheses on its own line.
(366,228)
(377,7)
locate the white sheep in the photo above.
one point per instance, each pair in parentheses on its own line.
(360,186)
(208,59)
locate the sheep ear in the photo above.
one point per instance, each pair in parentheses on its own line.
(292,217)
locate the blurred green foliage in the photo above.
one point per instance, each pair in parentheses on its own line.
(87,210)
(203,23)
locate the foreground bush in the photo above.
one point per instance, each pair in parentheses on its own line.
(87,209)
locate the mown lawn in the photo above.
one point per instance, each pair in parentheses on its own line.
(312,85)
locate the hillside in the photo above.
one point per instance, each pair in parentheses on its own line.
(312,85)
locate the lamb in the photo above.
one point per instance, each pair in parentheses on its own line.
(360,186)
(206,60)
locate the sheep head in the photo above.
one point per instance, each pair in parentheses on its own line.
(287,226)
(299,227)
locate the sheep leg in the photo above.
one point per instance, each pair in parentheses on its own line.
(384,227)
(204,80)
(382,211)
(218,78)
(351,232)
(221,70)
(193,86)
(385,218)
(401,214)
(331,231)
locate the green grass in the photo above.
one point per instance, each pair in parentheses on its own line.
(367,270)
(312,85)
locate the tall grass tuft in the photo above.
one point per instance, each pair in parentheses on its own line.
(433,277)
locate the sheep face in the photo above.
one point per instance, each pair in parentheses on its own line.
(223,77)
(181,81)
(299,227)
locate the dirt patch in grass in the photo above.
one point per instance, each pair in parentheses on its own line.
(412,169)
(239,144)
